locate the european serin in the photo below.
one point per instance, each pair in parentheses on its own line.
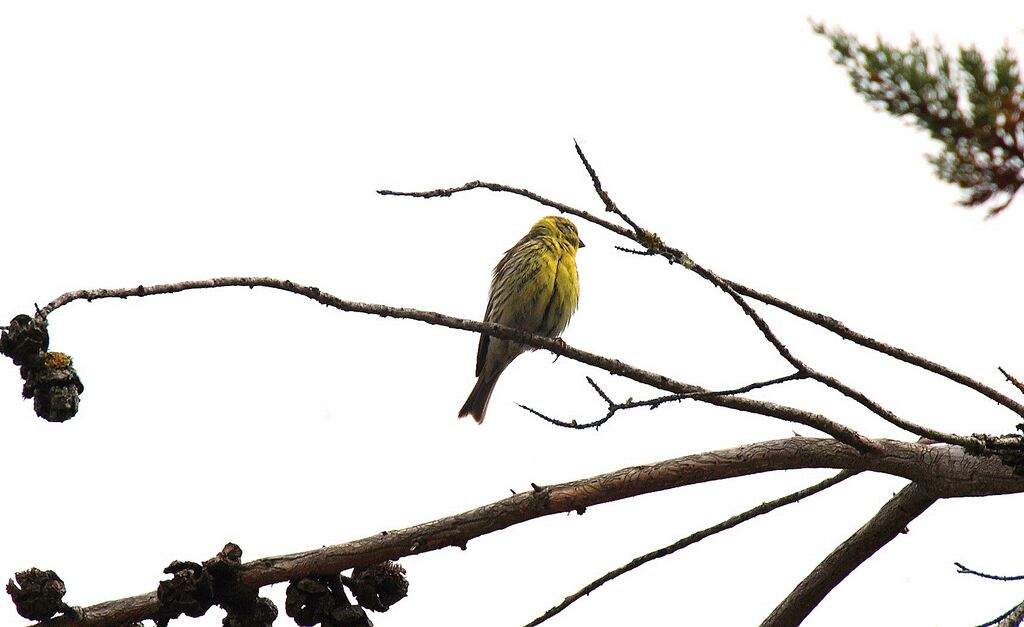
(534,288)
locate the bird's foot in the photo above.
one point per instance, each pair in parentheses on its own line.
(561,344)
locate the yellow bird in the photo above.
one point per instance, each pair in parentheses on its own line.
(534,288)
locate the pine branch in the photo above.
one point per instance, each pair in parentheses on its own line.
(980,139)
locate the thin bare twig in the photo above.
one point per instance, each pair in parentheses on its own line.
(599,391)
(891,520)
(569,424)
(963,570)
(840,432)
(654,402)
(796,376)
(633,251)
(754,512)
(609,204)
(519,191)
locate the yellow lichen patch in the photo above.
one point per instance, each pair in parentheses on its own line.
(651,241)
(56,360)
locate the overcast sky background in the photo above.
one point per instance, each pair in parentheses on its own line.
(144,143)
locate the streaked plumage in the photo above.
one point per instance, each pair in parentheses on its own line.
(534,288)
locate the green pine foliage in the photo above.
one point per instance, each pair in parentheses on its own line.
(973,109)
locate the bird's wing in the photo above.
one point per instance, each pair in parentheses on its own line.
(485,340)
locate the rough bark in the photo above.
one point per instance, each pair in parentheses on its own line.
(946,471)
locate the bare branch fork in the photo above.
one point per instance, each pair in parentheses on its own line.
(653,403)
(653,245)
(947,471)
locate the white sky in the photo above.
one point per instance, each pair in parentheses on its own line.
(144,143)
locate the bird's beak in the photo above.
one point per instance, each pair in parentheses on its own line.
(582,245)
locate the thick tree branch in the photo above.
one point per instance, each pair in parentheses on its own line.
(750,514)
(613,366)
(889,522)
(946,470)
(1014,617)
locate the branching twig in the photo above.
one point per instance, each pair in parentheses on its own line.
(675,256)
(840,432)
(654,245)
(654,403)
(889,522)
(754,512)
(834,383)
(946,470)
(519,191)
(769,335)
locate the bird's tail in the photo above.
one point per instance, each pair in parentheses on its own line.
(476,404)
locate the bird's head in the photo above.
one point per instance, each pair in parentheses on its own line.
(560,230)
